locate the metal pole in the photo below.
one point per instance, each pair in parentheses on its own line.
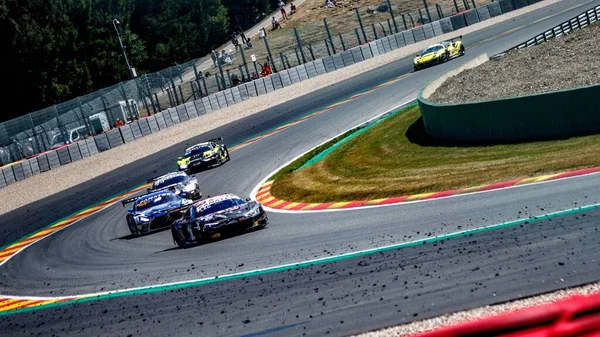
(393,17)
(157,102)
(456,6)
(300,45)
(412,21)
(421,17)
(404,21)
(255,68)
(329,35)
(327,46)
(312,54)
(221,72)
(269,53)
(390,26)
(244,60)
(427,10)
(440,11)
(129,70)
(357,36)
(374,31)
(362,28)
(474,5)
(466,4)
(343,44)
(297,55)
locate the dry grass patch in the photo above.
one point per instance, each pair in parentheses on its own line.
(398,158)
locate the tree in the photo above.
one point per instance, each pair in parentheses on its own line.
(246,13)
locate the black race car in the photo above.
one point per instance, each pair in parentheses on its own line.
(214,216)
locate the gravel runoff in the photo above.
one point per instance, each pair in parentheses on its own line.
(36,188)
(479,313)
(562,63)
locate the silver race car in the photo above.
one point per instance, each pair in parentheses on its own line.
(179,183)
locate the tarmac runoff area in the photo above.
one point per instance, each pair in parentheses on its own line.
(55,181)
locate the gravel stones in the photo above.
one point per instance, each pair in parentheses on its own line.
(566,62)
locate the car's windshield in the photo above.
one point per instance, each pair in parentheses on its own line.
(431,50)
(197,150)
(208,208)
(170,181)
(154,200)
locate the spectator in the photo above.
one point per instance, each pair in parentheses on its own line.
(292,8)
(275,23)
(119,123)
(234,40)
(213,56)
(282,9)
(241,32)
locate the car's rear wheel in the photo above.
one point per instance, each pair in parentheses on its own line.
(180,242)
(462,50)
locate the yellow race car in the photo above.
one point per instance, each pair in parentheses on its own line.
(203,156)
(439,53)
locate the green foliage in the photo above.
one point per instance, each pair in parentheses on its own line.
(246,13)
(55,50)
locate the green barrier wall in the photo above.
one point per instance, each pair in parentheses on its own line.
(544,116)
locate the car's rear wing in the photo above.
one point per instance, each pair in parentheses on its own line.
(454,38)
(215,139)
(130,200)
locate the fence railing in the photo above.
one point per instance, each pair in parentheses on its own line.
(97,112)
(581,21)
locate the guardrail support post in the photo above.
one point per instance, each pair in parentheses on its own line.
(427,10)
(362,28)
(329,34)
(393,17)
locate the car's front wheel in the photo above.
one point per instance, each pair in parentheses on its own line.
(179,241)
(198,236)
(462,50)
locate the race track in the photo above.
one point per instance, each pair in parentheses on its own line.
(341,297)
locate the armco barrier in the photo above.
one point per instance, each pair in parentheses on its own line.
(471,17)
(43,163)
(507,5)
(2,180)
(9,175)
(483,12)
(35,167)
(63,155)
(520,3)
(189,110)
(17,169)
(136,130)
(494,9)
(549,115)
(458,21)
(53,161)
(74,152)
(27,169)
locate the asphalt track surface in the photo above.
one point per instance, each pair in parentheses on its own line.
(344,297)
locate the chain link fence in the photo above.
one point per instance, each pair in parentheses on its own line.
(97,112)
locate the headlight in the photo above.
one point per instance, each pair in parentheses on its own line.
(143,218)
(253,212)
(183,166)
(189,188)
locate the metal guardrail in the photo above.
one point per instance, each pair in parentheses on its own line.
(580,21)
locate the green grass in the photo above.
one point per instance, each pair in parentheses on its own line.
(398,158)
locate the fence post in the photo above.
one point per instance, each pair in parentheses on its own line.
(374,31)
(157,102)
(244,60)
(181,92)
(404,21)
(427,10)
(474,4)
(466,4)
(327,46)
(312,54)
(421,17)
(221,72)
(343,44)
(329,34)
(412,21)
(122,87)
(299,41)
(297,55)
(84,120)
(390,27)
(455,7)
(61,128)
(362,28)
(393,17)
(357,36)
(440,11)
(269,53)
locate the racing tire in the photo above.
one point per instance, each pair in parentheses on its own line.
(462,50)
(178,242)
(227,155)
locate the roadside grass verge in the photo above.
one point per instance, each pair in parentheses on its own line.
(397,157)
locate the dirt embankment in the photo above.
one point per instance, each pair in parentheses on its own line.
(566,62)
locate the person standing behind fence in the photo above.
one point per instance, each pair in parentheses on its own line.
(241,33)
(282,9)
(213,56)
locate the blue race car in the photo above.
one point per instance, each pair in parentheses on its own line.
(154,210)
